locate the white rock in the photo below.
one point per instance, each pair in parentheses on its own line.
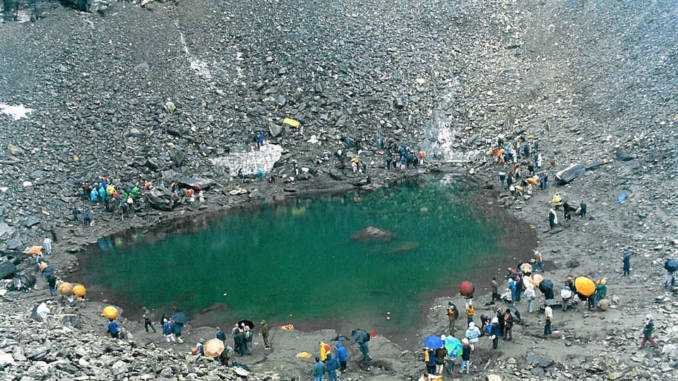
(5,359)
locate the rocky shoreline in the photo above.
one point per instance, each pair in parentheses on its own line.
(449,84)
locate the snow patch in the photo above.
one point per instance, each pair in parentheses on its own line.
(250,162)
(16,112)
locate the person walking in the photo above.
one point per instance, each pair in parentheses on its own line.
(265,334)
(495,332)
(342,355)
(147,320)
(470,311)
(601,291)
(318,370)
(452,317)
(51,283)
(465,356)
(627,263)
(47,245)
(538,261)
(548,313)
(647,332)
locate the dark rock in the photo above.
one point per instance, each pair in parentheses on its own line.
(570,173)
(275,130)
(161,198)
(538,371)
(7,269)
(572,263)
(177,158)
(335,174)
(38,353)
(151,164)
(539,360)
(194,183)
(624,156)
(72,321)
(31,221)
(595,165)
(360,181)
(373,233)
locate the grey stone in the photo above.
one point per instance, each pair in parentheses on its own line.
(373,233)
(13,244)
(275,130)
(31,221)
(7,269)
(624,156)
(38,353)
(570,173)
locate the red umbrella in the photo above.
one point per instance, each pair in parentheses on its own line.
(466,289)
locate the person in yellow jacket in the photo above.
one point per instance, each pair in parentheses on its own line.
(556,200)
(470,311)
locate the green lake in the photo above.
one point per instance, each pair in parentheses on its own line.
(296,263)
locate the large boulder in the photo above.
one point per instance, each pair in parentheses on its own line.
(7,269)
(161,198)
(373,233)
(194,183)
(570,173)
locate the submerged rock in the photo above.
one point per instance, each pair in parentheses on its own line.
(373,233)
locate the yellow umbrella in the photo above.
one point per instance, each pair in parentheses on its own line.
(65,288)
(110,312)
(79,290)
(213,347)
(536,279)
(585,286)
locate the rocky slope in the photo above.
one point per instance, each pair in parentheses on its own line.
(160,94)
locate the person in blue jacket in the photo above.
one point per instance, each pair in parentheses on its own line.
(318,370)
(342,355)
(113,329)
(168,330)
(331,365)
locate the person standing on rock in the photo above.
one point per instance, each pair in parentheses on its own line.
(470,311)
(430,360)
(500,321)
(553,219)
(647,332)
(47,245)
(451,316)
(530,295)
(86,219)
(465,356)
(566,295)
(508,325)
(265,332)
(318,370)
(221,335)
(168,330)
(670,275)
(502,177)
(548,313)
(473,334)
(113,329)
(342,355)
(627,263)
(51,283)
(331,366)
(440,359)
(495,332)
(495,290)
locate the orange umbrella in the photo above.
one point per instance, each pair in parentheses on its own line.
(34,250)
(79,290)
(43,266)
(536,279)
(110,312)
(65,288)
(585,286)
(213,347)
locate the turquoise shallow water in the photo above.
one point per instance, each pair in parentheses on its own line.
(297,263)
